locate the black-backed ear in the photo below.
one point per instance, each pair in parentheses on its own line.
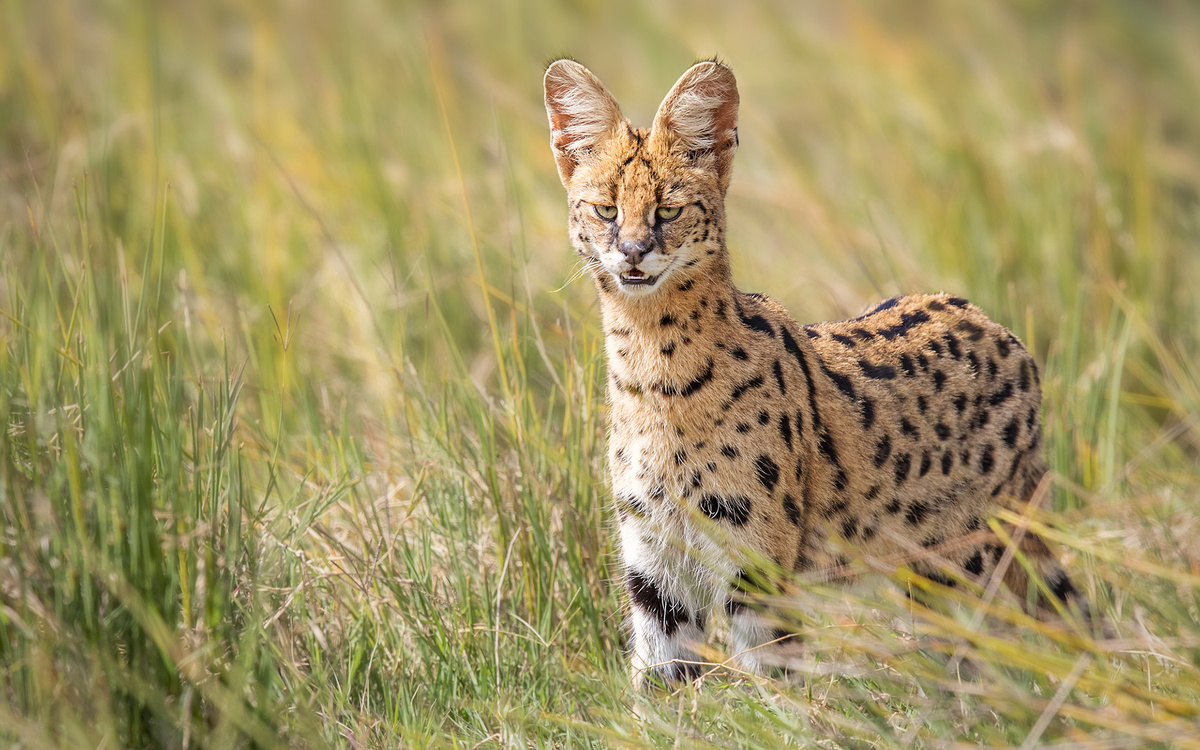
(700,117)
(583,115)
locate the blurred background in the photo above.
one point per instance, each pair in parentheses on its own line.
(302,392)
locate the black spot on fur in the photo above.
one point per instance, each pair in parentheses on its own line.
(1061,586)
(941,579)
(668,348)
(926,462)
(734,508)
(630,504)
(739,391)
(906,364)
(882,450)
(667,320)
(939,380)
(729,451)
(687,285)
(680,457)
(720,311)
(1002,348)
(794,349)
(992,368)
(922,404)
(742,427)
(1002,395)
(840,480)
(935,306)
(947,463)
(862,334)
(907,428)
(935,347)
(917,511)
(878,372)
(842,382)
(665,610)
(887,304)
(970,330)
(960,402)
(974,564)
(764,416)
(987,459)
(785,430)
(908,321)
(767,472)
(755,322)
(791,509)
(836,506)
(1011,431)
(849,529)
(957,302)
(981,418)
(893,505)
(952,345)
(843,340)
(739,353)
(872,493)
(943,432)
(811,332)
(868,412)
(670,389)
(903,465)
(778,370)
(1025,375)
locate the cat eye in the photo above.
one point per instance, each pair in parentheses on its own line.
(666,213)
(608,213)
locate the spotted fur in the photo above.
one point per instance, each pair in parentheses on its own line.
(735,431)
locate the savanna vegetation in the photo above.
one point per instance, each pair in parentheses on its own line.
(302,394)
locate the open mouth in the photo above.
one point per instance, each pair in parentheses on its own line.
(635,277)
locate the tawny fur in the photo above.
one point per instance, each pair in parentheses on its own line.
(736,431)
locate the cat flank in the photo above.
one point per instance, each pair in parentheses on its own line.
(737,433)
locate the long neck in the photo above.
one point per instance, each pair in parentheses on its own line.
(666,339)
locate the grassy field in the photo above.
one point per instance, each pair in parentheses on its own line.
(302,399)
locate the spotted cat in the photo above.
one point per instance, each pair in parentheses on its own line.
(738,433)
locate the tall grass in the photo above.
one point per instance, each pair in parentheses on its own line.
(304,421)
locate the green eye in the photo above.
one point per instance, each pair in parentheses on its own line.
(608,213)
(666,213)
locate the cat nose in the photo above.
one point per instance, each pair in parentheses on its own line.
(634,251)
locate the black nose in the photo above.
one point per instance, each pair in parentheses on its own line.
(634,251)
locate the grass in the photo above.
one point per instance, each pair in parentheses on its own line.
(304,426)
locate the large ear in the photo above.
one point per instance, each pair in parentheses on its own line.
(700,116)
(583,115)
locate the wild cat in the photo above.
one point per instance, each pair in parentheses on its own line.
(738,433)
